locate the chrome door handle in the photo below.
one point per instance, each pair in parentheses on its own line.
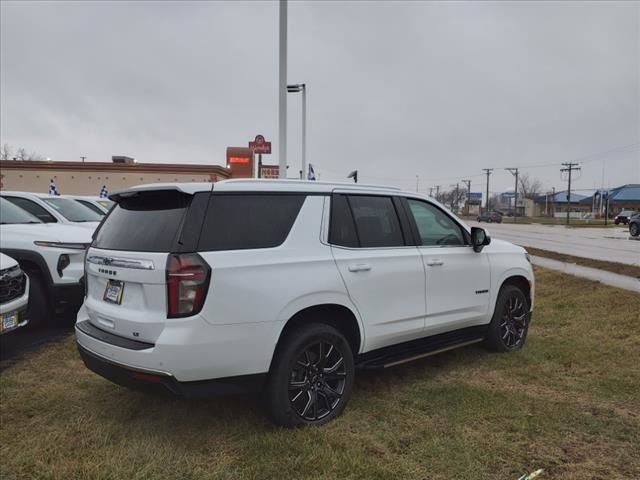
(361,267)
(435,262)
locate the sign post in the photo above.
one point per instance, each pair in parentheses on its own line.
(260,146)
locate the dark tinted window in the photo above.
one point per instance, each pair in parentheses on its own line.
(239,221)
(376,220)
(146,222)
(33,208)
(435,227)
(342,230)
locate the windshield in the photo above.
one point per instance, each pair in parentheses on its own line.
(12,214)
(73,211)
(106,203)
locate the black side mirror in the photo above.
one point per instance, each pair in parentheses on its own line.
(479,238)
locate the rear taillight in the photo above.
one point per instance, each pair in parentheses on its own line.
(187,284)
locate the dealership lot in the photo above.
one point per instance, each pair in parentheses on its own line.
(567,403)
(611,244)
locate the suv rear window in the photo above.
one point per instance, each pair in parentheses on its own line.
(145,222)
(242,221)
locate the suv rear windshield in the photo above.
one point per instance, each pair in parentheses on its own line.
(145,222)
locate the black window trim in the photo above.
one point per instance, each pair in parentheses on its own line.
(405,226)
(416,233)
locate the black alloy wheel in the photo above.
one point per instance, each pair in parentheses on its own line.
(514,321)
(317,381)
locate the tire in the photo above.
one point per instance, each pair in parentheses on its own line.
(39,309)
(634,230)
(510,323)
(311,377)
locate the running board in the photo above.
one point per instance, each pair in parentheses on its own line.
(423,347)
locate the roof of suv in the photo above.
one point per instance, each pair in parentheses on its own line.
(246,185)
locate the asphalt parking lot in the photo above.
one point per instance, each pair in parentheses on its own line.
(611,244)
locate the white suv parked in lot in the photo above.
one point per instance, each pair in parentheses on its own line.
(14,294)
(288,287)
(52,254)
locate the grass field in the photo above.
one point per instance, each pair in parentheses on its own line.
(568,402)
(614,267)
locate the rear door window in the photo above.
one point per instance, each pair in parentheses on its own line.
(342,229)
(145,222)
(376,221)
(244,221)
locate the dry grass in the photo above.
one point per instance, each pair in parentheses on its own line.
(568,403)
(615,267)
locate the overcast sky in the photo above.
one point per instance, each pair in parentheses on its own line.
(439,90)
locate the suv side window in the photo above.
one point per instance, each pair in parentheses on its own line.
(376,220)
(342,230)
(435,227)
(243,221)
(33,208)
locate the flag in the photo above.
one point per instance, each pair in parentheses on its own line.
(312,174)
(52,188)
(104,193)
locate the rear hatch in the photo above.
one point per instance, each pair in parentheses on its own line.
(126,266)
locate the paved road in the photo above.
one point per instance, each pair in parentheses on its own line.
(611,244)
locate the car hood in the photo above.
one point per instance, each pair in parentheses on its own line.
(498,245)
(49,232)
(6,262)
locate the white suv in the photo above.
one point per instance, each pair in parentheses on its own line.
(288,287)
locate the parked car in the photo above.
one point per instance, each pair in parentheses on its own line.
(51,254)
(288,287)
(14,295)
(623,217)
(491,217)
(98,204)
(54,209)
(634,225)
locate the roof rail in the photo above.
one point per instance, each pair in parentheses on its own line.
(309,183)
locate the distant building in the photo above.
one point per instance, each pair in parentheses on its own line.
(625,197)
(87,178)
(557,205)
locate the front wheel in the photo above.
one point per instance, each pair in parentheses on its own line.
(510,323)
(634,230)
(311,377)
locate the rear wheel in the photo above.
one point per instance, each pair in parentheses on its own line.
(634,230)
(311,378)
(510,323)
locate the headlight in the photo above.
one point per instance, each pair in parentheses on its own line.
(72,246)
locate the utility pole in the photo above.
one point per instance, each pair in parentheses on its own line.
(83,159)
(438,192)
(468,182)
(417,182)
(457,197)
(431,192)
(514,172)
(553,202)
(282,90)
(569,167)
(487,171)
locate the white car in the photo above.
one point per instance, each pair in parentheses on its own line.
(14,295)
(54,209)
(52,254)
(289,286)
(99,205)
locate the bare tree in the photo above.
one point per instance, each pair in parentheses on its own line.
(22,154)
(454,197)
(529,187)
(5,153)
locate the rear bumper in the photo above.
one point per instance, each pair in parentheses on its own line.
(164,383)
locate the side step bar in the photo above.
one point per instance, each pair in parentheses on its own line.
(423,347)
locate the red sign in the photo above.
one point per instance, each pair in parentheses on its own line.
(238,160)
(260,145)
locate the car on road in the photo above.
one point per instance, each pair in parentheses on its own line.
(288,287)
(52,254)
(54,209)
(634,225)
(623,217)
(99,205)
(14,295)
(491,217)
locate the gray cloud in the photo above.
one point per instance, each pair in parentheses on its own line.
(397,89)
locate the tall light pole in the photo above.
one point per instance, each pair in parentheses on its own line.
(282,90)
(468,182)
(302,87)
(514,172)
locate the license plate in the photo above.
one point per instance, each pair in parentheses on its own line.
(113,292)
(9,321)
